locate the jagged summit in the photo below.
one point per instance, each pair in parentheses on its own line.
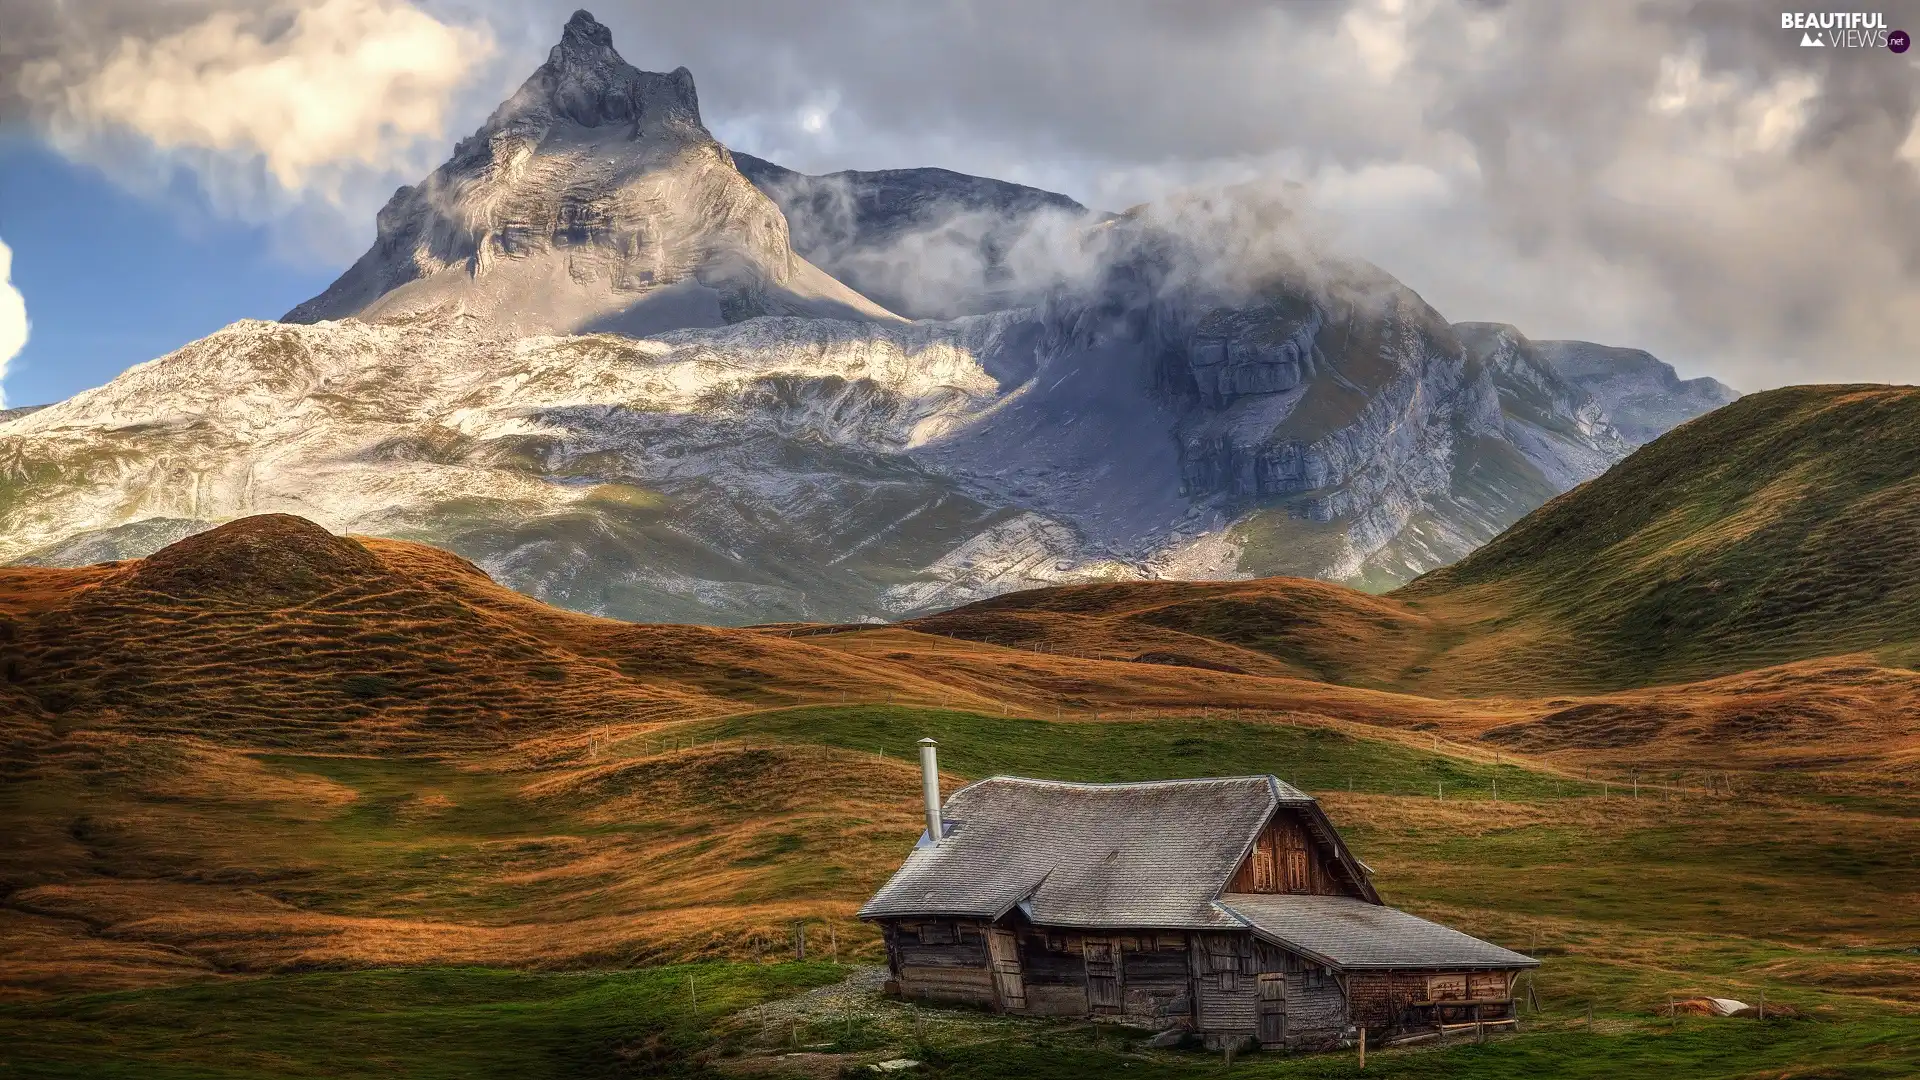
(585,80)
(592,199)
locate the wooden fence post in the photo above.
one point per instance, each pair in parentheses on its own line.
(1363,1046)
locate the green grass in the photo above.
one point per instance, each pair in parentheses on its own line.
(1313,758)
(470,1022)
(1628,902)
(1783,526)
(423,1024)
(1693,1049)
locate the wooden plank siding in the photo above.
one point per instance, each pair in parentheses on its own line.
(1225,984)
(1313,1003)
(1410,999)
(1139,977)
(1055,966)
(941,960)
(1155,981)
(1285,859)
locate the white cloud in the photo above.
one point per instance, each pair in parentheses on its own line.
(13,318)
(1378,32)
(307,96)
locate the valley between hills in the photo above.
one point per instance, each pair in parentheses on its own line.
(285,803)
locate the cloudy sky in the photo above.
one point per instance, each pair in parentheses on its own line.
(1681,176)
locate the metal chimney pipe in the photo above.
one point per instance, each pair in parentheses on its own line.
(930,785)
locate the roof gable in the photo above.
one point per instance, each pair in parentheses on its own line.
(1088,855)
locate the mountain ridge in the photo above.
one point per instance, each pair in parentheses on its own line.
(1193,391)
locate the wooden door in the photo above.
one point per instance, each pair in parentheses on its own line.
(1008,985)
(1273,1008)
(1103,974)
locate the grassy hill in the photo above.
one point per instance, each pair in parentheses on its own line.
(281,803)
(1781,529)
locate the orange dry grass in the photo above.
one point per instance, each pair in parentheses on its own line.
(710,852)
(480,777)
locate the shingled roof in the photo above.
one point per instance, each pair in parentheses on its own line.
(1353,935)
(1151,855)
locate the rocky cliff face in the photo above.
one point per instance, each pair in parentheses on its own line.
(592,199)
(563,359)
(1643,396)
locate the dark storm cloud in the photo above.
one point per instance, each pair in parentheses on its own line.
(1681,176)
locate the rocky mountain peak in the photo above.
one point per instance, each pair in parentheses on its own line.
(585,80)
(592,200)
(584,32)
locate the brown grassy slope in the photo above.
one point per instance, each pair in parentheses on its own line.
(202,783)
(271,632)
(170,859)
(1278,626)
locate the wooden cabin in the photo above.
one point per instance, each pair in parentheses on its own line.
(1227,907)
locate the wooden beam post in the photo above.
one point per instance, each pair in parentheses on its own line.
(1363,1046)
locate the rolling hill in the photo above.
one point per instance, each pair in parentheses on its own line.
(1780,529)
(267,750)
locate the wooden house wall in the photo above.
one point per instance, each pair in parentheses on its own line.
(1226,983)
(1313,1005)
(1156,980)
(1213,981)
(1148,982)
(1404,998)
(1285,859)
(941,959)
(1055,969)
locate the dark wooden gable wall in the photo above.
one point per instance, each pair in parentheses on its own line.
(1285,859)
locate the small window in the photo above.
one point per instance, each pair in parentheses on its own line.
(1263,870)
(1229,982)
(936,933)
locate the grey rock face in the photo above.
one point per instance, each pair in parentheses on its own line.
(1643,395)
(927,243)
(582,354)
(592,199)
